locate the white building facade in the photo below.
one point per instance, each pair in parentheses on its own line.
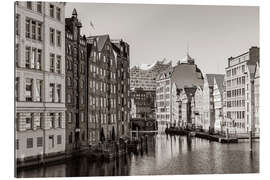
(40,79)
(240,91)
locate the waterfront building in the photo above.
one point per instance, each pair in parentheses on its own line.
(121,48)
(198,109)
(163,99)
(76,74)
(143,109)
(40,79)
(218,103)
(184,74)
(240,90)
(208,110)
(188,106)
(257,97)
(144,76)
(108,88)
(142,103)
(176,106)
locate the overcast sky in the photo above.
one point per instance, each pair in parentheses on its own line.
(155,32)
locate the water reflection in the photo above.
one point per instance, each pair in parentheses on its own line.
(164,155)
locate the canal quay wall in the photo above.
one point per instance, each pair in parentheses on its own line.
(100,152)
(205,135)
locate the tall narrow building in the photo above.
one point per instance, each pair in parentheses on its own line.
(40,80)
(76,84)
(108,89)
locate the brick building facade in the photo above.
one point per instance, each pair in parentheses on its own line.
(76,74)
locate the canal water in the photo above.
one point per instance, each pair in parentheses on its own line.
(165,155)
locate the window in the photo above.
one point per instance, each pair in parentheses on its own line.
(29,143)
(69,98)
(39,30)
(17,144)
(17,53)
(34,29)
(52,10)
(17,24)
(29,90)
(58,64)
(82,83)
(58,93)
(39,141)
(243,68)
(51,92)
(70,117)
(27,28)
(29,5)
(38,60)
(59,139)
(29,121)
(17,88)
(58,36)
(82,116)
(39,7)
(52,36)
(58,14)
(59,120)
(69,81)
(33,58)
(52,62)
(51,120)
(70,138)
(39,84)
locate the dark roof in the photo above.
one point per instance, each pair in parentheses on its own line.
(210,78)
(186,75)
(101,40)
(219,80)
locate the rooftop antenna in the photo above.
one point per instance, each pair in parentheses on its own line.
(187,48)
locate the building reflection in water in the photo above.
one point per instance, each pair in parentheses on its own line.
(164,155)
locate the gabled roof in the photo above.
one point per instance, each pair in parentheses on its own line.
(210,78)
(101,40)
(219,81)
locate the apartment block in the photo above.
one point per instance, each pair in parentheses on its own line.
(240,91)
(40,79)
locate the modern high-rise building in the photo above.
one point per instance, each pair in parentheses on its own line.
(185,74)
(144,76)
(240,91)
(40,79)
(76,84)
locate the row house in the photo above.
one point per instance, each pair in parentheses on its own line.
(198,107)
(76,84)
(179,79)
(218,93)
(121,51)
(40,79)
(239,78)
(108,88)
(208,100)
